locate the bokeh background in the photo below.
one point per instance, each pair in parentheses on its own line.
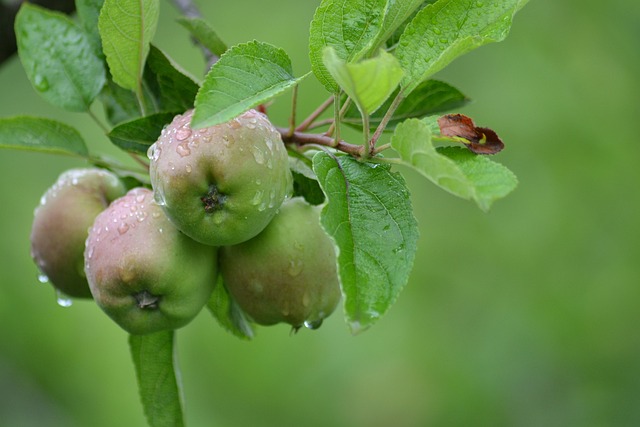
(526,316)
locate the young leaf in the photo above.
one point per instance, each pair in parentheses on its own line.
(447,29)
(228,314)
(137,135)
(38,134)
(245,76)
(58,58)
(430,97)
(203,33)
(491,180)
(154,362)
(368,82)
(469,177)
(370,218)
(349,26)
(126,28)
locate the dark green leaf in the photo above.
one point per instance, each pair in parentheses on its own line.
(153,359)
(245,76)
(137,135)
(228,314)
(430,97)
(88,13)
(204,34)
(38,134)
(370,218)
(447,29)
(58,58)
(127,28)
(348,26)
(398,11)
(175,90)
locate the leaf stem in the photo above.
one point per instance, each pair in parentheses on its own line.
(314,115)
(294,107)
(385,120)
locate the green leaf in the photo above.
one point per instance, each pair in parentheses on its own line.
(88,13)
(368,82)
(204,34)
(348,26)
(398,11)
(430,97)
(58,58)
(126,28)
(443,31)
(166,88)
(39,134)
(468,176)
(176,91)
(136,136)
(245,76)
(305,181)
(491,180)
(153,359)
(412,141)
(228,314)
(370,218)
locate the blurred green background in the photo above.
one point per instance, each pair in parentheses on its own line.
(525,316)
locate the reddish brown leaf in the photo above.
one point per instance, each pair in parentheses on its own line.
(479,140)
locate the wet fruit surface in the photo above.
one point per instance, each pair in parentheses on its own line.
(220,185)
(60,224)
(288,272)
(143,272)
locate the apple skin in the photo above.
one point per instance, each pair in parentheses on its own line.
(288,272)
(60,225)
(142,271)
(223,184)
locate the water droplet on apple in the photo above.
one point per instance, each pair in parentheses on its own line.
(62,299)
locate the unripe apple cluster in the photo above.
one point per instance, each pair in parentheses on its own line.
(219,203)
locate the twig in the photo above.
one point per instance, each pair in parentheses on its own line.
(306,123)
(301,139)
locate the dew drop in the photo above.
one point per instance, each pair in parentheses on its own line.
(123,228)
(62,299)
(295,267)
(139,199)
(188,168)
(257,198)
(479,4)
(41,83)
(160,230)
(172,166)
(258,155)
(431,43)
(141,216)
(156,214)
(42,278)
(153,153)
(183,150)
(315,324)
(183,134)
(436,30)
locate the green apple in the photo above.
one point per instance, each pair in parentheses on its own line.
(288,272)
(142,271)
(220,185)
(60,225)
